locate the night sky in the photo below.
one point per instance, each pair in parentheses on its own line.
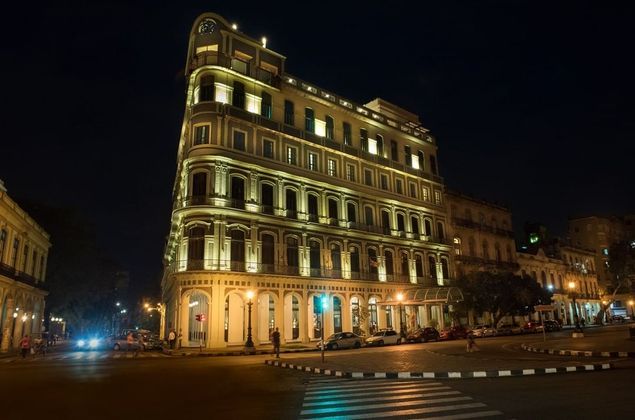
(532,103)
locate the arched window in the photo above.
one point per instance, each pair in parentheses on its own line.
(268,253)
(266,198)
(313,208)
(485,250)
(292,255)
(405,266)
(336,260)
(440,231)
(195,248)
(380,145)
(385,222)
(333,211)
(315,259)
(337,315)
(355,315)
(237,250)
(373,264)
(427,225)
(389,263)
(432,265)
(457,245)
(421,160)
(329,127)
(199,185)
(414,223)
(237,192)
(444,268)
(352,213)
(419,267)
(354,262)
(291,203)
(368,216)
(401,223)
(372,315)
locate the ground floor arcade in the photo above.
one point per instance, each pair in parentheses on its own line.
(21,312)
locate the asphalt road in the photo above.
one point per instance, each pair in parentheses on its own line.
(107,385)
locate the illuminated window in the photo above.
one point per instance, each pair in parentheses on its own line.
(292,155)
(350,173)
(201,134)
(239,140)
(313,161)
(332,167)
(289,116)
(399,186)
(267,148)
(368,177)
(348,134)
(437,197)
(329,127)
(238,95)
(309,120)
(384,181)
(266,105)
(363,139)
(426,193)
(457,246)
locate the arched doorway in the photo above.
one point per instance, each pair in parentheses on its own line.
(198,304)
(291,317)
(235,325)
(266,316)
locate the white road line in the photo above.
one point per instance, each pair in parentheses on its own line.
(410,412)
(370,383)
(367,388)
(365,393)
(380,398)
(381,406)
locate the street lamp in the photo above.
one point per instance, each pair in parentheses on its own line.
(575,308)
(249,345)
(400,299)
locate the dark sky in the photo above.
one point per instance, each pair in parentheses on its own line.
(532,102)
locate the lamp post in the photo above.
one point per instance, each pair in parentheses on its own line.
(249,344)
(400,299)
(631,303)
(576,318)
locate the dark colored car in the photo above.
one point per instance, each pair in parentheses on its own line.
(453,333)
(421,335)
(552,325)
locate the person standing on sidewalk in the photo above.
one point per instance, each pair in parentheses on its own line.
(25,345)
(276,342)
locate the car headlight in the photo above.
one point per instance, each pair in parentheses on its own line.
(93,343)
(81,343)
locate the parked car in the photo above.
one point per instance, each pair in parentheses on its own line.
(120,342)
(484,331)
(383,337)
(552,325)
(343,340)
(532,327)
(453,333)
(423,335)
(509,329)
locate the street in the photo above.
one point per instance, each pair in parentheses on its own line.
(105,384)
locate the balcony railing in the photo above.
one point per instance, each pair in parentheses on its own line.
(21,276)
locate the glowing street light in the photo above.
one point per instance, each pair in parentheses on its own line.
(249,344)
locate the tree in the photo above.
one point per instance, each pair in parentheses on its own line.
(501,294)
(621,265)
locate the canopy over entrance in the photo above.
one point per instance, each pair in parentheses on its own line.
(416,296)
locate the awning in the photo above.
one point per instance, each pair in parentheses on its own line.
(416,296)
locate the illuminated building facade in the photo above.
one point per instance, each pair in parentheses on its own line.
(295,193)
(24,249)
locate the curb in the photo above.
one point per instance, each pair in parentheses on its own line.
(442,375)
(229,353)
(578,353)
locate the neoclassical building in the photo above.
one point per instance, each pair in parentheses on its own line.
(294,193)
(24,247)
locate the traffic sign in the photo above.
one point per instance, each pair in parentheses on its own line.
(544,308)
(200,317)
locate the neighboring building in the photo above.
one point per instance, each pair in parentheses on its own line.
(292,192)
(24,250)
(481,233)
(557,267)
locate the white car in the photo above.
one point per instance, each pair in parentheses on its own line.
(384,337)
(484,331)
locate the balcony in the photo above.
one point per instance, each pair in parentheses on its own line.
(21,276)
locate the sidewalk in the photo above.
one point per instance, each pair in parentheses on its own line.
(237,351)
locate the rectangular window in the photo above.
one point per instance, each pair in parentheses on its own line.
(363,139)
(25,258)
(206,89)
(201,134)
(332,167)
(408,155)
(380,145)
(426,193)
(313,161)
(34,263)
(348,134)
(289,116)
(14,255)
(266,105)
(239,65)
(433,164)
(384,181)
(3,241)
(413,190)
(437,197)
(238,95)
(292,155)
(267,148)
(350,173)
(394,153)
(309,120)
(399,186)
(239,140)
(368,177)
(329,127)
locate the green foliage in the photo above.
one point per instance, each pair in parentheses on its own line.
(501,294)
(622,264)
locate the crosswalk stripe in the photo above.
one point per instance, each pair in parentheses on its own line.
(370,383)
(380,398)
(475,415)
(379,406)
(410,412)
(368,388)
(362,392)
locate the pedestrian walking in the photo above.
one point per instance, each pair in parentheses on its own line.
(582,322)
(276,342)
(471,343)
(130,342)
(25,345)
(172,338)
